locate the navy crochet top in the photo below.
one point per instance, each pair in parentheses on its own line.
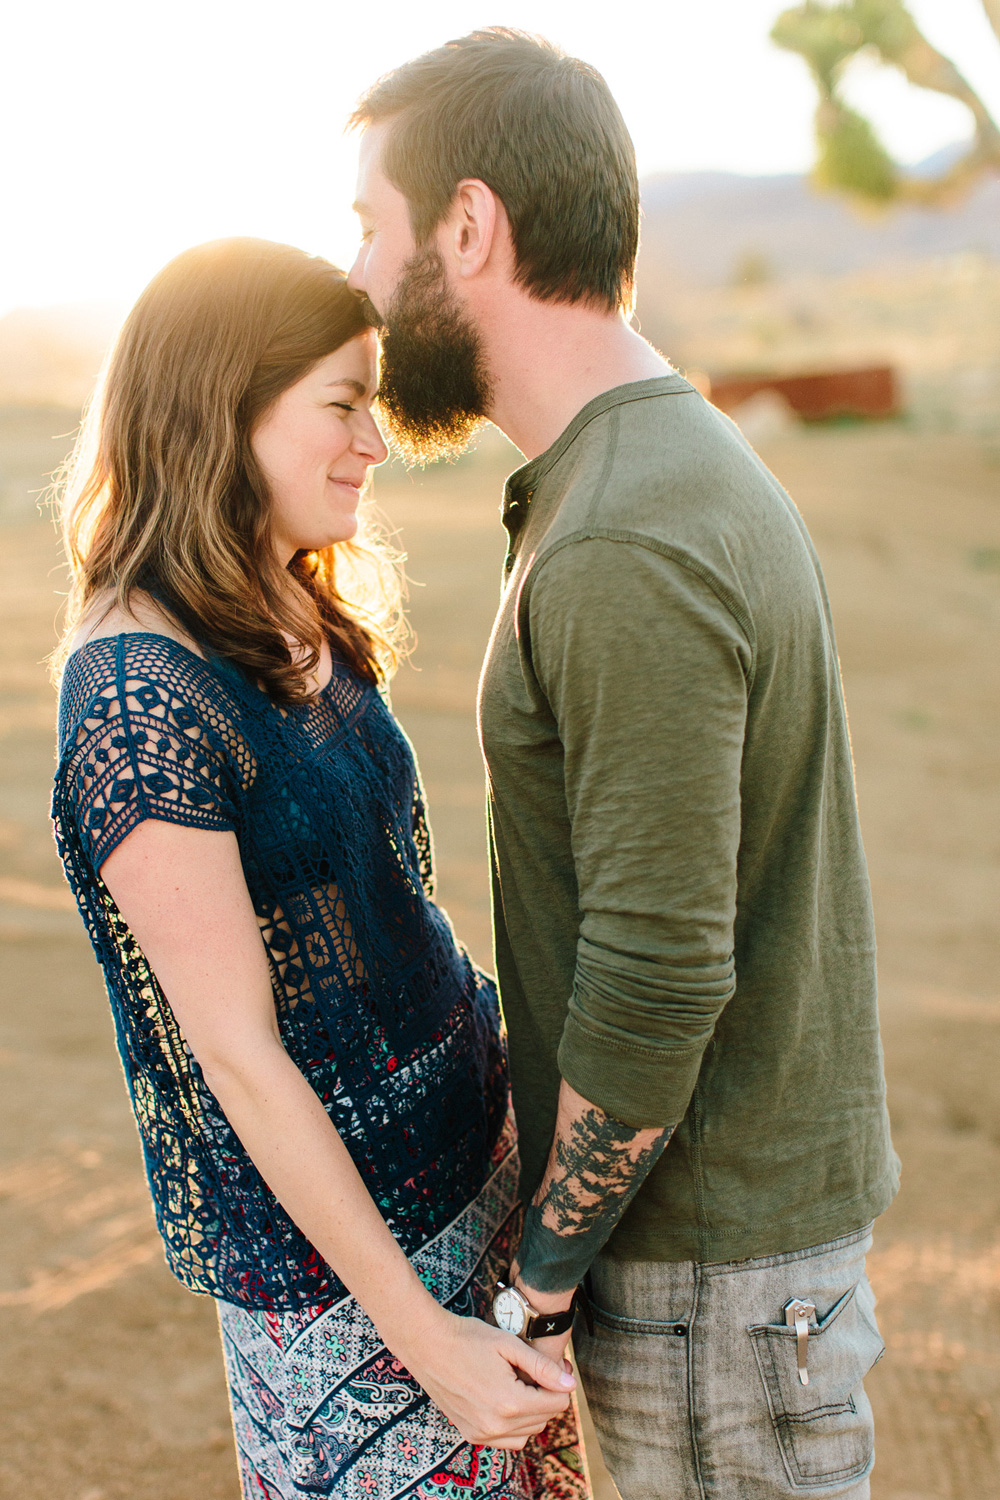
(377,1004)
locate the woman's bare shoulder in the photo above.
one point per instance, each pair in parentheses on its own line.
(106,618)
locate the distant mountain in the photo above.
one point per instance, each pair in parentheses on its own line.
(703,227)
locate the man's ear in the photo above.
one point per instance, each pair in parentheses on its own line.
(472,226)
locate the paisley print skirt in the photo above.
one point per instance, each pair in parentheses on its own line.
(321,1408)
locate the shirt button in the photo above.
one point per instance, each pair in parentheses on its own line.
(509,565)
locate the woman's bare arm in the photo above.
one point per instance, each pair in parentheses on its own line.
(183,895)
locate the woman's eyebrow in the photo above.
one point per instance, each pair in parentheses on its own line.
(356,386)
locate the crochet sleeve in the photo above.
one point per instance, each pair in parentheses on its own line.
(145,734)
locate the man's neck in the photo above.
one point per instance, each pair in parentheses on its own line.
(548,359)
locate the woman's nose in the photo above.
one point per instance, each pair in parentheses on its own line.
(371,444)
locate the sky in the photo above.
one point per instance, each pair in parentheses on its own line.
(132,130)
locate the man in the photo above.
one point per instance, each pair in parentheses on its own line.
(682,916)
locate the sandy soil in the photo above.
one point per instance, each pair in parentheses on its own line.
(110,1383)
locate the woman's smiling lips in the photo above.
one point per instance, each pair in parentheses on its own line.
(355,486)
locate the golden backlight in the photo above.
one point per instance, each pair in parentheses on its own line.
(133,130)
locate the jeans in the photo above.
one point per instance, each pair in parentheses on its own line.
(692,1375)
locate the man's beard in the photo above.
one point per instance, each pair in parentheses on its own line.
(434,391)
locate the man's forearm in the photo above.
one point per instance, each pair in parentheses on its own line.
(595,1168)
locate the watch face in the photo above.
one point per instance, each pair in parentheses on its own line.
(509,1310)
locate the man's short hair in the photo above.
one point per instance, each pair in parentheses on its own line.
(543,131)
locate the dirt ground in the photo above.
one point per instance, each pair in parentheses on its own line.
(110,1379)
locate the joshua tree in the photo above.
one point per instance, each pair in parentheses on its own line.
(851,157)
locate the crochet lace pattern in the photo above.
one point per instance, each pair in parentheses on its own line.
(378,1006)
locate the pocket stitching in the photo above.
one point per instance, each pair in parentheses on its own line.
(766,1339)
(647,1327)
(783,1421)
(835,1409)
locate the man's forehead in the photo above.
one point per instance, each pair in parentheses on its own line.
(370,148)
(375,193)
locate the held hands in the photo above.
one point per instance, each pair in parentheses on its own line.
(496,1389)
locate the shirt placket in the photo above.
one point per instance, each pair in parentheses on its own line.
(515,513)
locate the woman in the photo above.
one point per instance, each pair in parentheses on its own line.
(316,1067)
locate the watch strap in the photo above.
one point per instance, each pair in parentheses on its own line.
(547,1325)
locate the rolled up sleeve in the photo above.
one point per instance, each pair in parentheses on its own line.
(645,668)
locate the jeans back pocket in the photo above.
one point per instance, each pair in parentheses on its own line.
(824,1429)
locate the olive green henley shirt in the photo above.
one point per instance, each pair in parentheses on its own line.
(682,915)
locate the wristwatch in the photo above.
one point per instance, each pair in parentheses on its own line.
(514,1313)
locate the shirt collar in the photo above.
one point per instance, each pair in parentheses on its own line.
(521,485)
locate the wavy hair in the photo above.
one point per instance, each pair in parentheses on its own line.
(163,493)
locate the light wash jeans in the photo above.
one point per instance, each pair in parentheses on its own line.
(692,1381)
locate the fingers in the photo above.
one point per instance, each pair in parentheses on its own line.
(507,1397)
(515,1422)
(541,1370)
(525,1412)
(511,1436)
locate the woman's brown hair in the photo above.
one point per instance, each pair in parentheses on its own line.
(163,492)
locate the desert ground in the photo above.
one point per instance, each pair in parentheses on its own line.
(110,1378)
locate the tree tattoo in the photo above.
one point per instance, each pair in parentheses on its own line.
(598,1166)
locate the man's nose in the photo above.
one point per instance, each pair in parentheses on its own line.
(356,275)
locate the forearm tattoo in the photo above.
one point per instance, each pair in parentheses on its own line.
(600,1164)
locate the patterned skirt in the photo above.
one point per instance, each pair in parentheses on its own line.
(321,1408)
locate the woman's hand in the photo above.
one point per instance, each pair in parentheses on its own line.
(496,1389)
